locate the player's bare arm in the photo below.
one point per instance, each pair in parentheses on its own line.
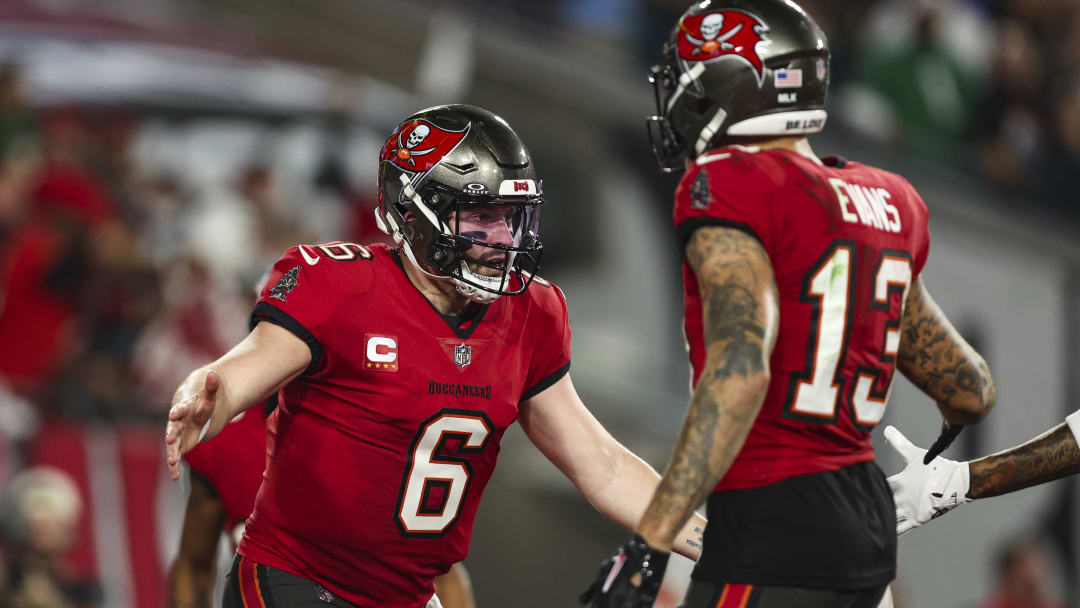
(267,359)
(923,491)
(455,588)
(191,581)
(740,298)
(937,359)
(1050,456)
(611,477)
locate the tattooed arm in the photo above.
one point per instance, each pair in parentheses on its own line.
(937,359)
(740,301)
(925,491)
(1050,456)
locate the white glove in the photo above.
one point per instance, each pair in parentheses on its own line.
(924,491)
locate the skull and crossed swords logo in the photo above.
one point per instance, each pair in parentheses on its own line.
(407,151)
(711,38)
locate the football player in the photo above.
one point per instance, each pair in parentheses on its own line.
(398,370)
(802,296)
(225,477)
(924,491)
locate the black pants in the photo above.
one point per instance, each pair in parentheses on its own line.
(251,585)
(704,594)
(833,530)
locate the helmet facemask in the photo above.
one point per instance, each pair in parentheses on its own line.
(665,142)
(487,245)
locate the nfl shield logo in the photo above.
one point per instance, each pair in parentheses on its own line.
(462,355)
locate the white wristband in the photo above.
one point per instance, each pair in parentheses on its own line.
(1073,420)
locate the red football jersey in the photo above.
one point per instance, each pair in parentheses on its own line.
(845,241)
(234,465)
(383,447)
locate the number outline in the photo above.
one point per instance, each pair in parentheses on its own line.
(807,375)
(888,358)
(439,457)
(349,252)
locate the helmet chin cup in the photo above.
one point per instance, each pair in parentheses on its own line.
(474,293)
(470,288)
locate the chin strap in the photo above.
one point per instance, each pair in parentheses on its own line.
(472,292)
(476,294)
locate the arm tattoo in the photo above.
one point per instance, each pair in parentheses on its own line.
(935,357)
(739,296)
(1050,456)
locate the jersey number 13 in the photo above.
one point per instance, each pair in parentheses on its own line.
(830,288)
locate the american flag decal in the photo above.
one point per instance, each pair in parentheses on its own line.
(788,79)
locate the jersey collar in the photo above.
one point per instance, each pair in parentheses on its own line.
(470,320)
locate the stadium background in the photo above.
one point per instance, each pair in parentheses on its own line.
(157,155)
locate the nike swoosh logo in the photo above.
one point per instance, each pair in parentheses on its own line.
(307,256)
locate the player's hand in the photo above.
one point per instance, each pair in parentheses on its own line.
(949,432)
(924,491)
(629,579)
(187,418)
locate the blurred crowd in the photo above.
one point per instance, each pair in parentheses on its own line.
(990,87)
(117,277)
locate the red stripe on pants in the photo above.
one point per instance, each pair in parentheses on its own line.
(734,596)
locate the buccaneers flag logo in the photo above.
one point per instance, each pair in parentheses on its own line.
(418,145)
(722,34)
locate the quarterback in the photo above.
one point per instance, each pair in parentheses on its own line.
(803,296)
(398,370)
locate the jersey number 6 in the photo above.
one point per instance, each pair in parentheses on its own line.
(830,287)
(434,484)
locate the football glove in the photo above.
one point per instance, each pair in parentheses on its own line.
(948,434)
(924,491)
(630,579)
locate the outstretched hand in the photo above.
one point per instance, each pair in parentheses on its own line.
(188,418)
(924,491)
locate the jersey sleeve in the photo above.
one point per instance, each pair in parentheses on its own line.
(922,239)
(726,189)
(550,325)
(299,297)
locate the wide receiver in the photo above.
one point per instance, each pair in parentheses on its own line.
(924,491)
(803,296)
(398,371)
